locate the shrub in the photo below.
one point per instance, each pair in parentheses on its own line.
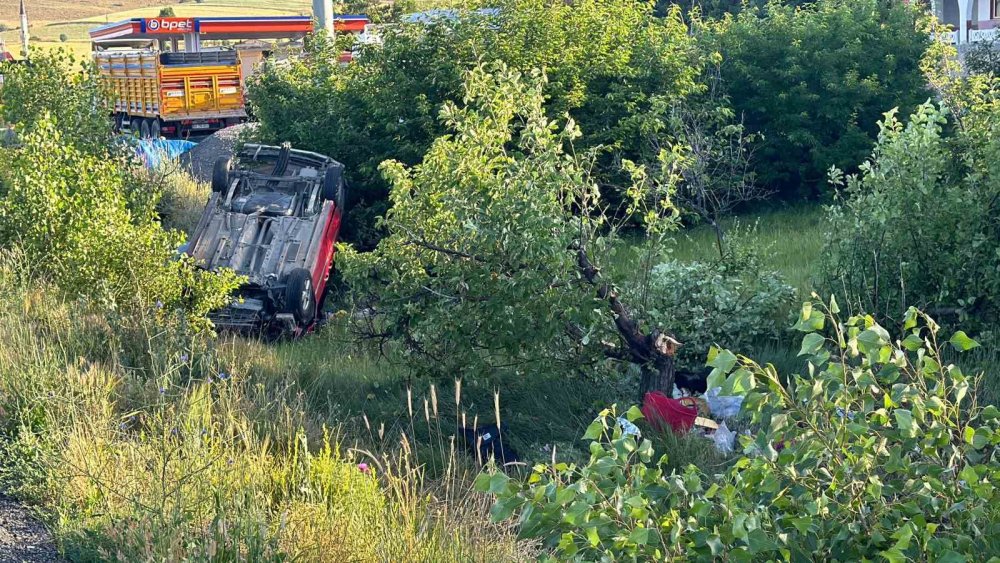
(69,213)
(918,226)
(80,209)
(58,87)
(492,260)
(815,79)
(63,37)
(611,65)
(167,12)
(880,452)
(734,303)
(983,57)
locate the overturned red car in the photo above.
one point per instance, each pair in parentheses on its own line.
(273,217)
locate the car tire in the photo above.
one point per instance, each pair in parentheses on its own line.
(155,129)
(334,186)
(220,175)
(144,129)
(300,298)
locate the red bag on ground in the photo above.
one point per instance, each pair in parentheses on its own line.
(661,411)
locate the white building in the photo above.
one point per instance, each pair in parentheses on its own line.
(970,20)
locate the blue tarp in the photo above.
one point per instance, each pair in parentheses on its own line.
(153,152)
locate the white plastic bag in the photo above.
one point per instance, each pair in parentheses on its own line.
(723,406)
(724,439)
(628,428)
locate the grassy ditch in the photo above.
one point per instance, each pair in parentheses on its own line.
(138,441)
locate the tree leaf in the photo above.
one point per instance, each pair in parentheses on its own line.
(811,344)
(962,342)
(904,422)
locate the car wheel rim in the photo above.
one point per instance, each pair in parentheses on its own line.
(304,298)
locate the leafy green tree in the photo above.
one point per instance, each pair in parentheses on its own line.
(611,65)
(881,452)
(59,87)
(718,8)
(917,225)
(814,80)
(79,208)
(167,12)
(492,261)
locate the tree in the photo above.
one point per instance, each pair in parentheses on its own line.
(79,208)
(610,65)
(167,12)
(57,86)
(718,175)
(917,225)
(495,243)
(815,80)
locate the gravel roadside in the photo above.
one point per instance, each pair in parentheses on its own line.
(22,537)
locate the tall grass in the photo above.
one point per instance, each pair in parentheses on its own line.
(140,441)
(789,239)
(182,198)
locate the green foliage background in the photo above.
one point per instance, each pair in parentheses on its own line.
(814,80)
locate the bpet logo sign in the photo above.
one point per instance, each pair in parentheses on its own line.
(169,25)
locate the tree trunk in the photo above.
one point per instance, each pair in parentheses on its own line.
(652,352)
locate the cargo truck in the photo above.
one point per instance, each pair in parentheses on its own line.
(165,81)
(161,94)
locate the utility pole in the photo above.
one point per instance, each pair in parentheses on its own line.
(323,14)
(24,31)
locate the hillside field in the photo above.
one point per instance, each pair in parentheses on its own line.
(49,20)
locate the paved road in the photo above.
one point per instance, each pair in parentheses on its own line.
(22,537)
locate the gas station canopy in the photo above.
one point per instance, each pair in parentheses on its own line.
(137,30)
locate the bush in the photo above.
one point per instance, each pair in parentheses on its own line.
(491,265)
(918,225)
(167,12)
(734,303)
(611,65)
(983,57)
(58,87)
(815,79)
(63,37)
(80,208)
(881,452)
(69,213)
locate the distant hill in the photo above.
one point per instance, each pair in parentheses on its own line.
(65,23)
(64,10)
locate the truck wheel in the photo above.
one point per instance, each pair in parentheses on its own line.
(144,129)
(220,175)
(334,186)
(300,299)
(155,129)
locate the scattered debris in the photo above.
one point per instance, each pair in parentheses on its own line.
(628,428)
(724,438)
(487,442)
(723,406)
(663,412)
